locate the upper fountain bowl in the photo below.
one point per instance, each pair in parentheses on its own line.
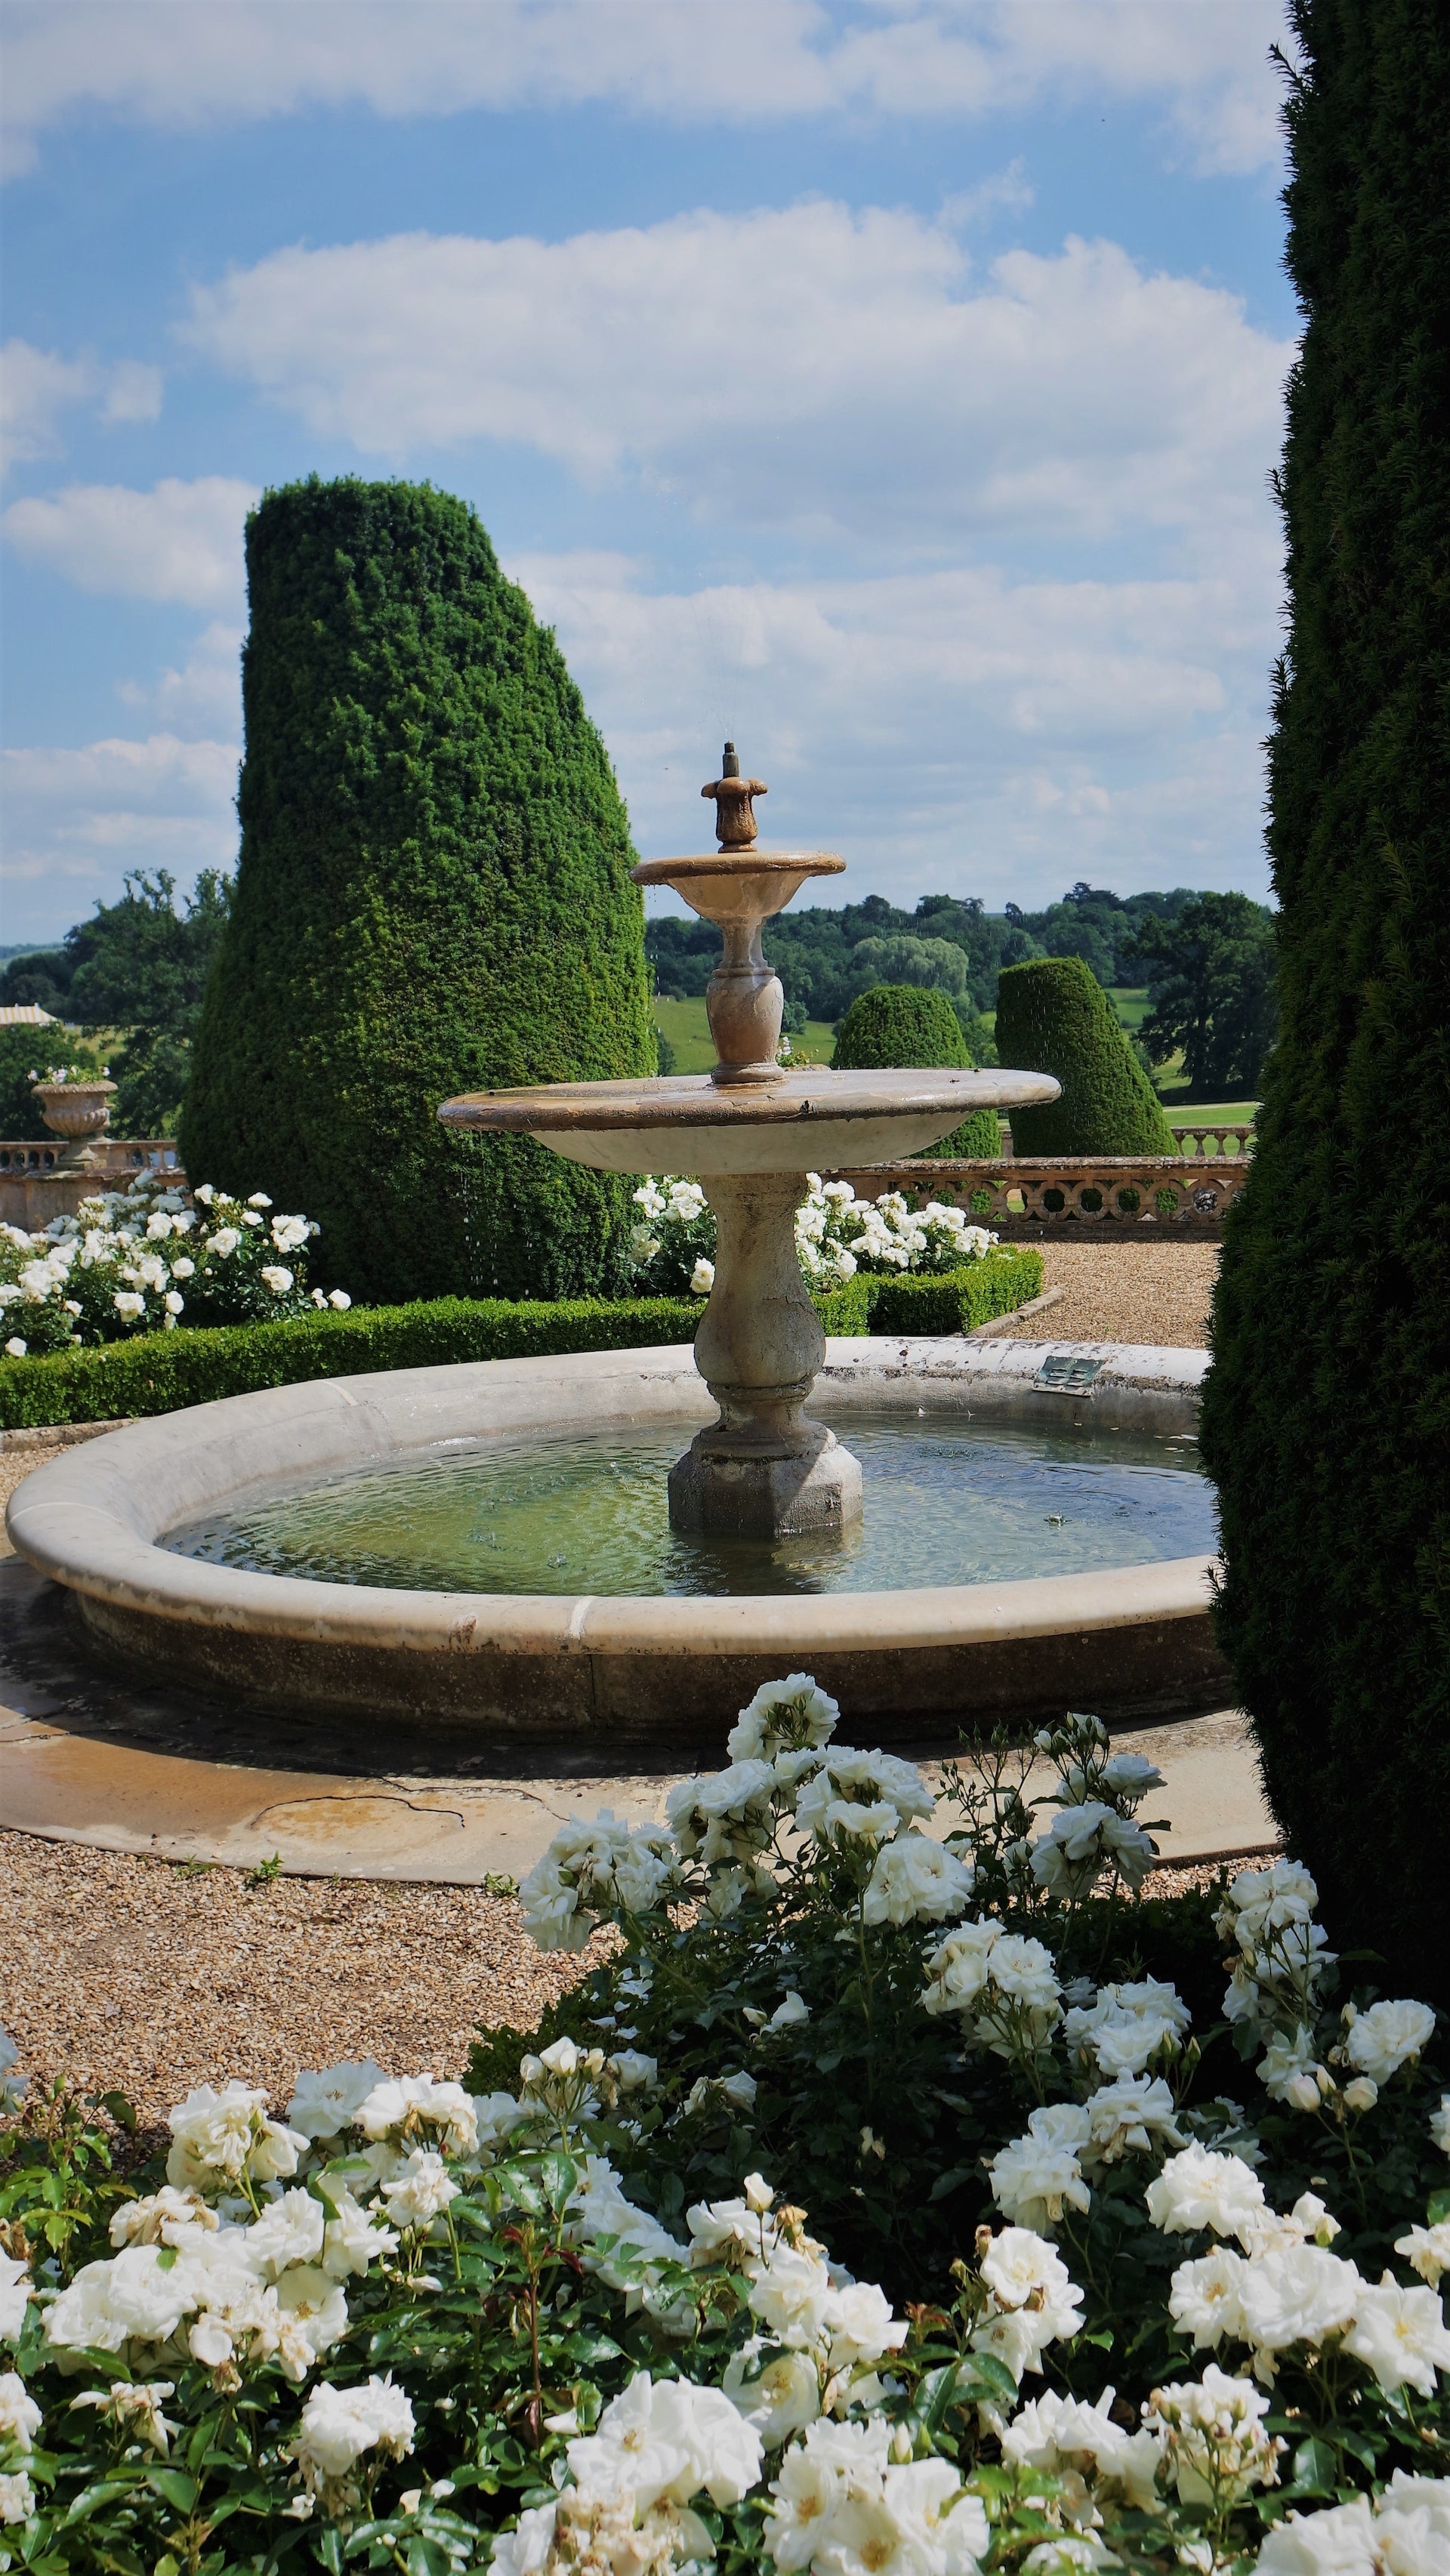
(812,1119)
(741,887)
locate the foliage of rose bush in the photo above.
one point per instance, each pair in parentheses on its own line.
(581,2323)
(139,1260)
(836,1234)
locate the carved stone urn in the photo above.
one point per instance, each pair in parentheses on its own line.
(79,1111)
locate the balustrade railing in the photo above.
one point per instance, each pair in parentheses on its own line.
(1216,1141)
(1115,1196)
(40,1180)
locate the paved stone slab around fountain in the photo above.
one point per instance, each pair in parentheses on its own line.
(127,1766)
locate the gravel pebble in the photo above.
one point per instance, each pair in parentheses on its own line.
(1139,1292)
(130,1973)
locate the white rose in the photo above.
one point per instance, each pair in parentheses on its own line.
(339,1298)
(1427,2250)
(20,2417)
(422,2191)
(1198,2188)
(290,2230)
(406,2104)
(339,2424)
(273,1276)
(915,1880)
(1297,2294)
(329,2100)
(15,1348)
(1400,2335)
(1205,2298)
(1338,2542)
(1383,2039)
(781,2398)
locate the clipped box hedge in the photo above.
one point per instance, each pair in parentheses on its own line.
(953,1301)
(163,1372)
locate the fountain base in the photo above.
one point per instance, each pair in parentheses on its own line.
(727,1486)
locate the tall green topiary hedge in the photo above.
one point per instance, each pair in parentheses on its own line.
(1327,1414)
(914,1025)
(432,896)
(1054,1017)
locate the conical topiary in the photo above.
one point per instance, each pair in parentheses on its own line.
(433,896)
(1054,1017)
(1326,1417)
(913,1024)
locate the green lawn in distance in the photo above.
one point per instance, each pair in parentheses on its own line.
(688,1030)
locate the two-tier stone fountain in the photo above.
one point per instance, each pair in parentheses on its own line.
(751,1130)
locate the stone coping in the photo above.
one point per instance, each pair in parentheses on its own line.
(93,1519)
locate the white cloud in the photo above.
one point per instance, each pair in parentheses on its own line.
(77,819)
(205,692)
(812,367)
(37,385)
(951,730)
(159,62)
(180,541)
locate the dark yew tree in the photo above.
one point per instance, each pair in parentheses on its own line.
(433,896)
(1327,1419)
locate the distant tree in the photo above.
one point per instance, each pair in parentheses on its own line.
(42,976)
(1211,983)
(27,1056)
(141,965)
(937,964)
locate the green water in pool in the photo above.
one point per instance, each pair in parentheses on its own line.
(949,1499)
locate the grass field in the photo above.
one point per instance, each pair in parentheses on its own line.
(688,1031)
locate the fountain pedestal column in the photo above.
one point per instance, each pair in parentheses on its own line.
(763,1470)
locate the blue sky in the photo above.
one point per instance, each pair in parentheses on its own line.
(894,386)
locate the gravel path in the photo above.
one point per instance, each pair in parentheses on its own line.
(135,1974)
(1140,1292)
(139,1974)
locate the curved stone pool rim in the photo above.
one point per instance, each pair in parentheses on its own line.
(656,1676)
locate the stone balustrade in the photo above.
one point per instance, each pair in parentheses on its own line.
(1219,1141)
(42,1179)
(1023,1198)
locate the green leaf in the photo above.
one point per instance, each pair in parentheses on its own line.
(559,2175)
(1438,2207)
(175,2486)
(329,2549)
(1314,2467)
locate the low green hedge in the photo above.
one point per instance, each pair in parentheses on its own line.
(162,1372)
(953,1301)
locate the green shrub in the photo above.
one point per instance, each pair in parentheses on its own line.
(432,896)
(915,1025)
(1054,1017)
(162,1372)
(1326,1418)
(955,1300)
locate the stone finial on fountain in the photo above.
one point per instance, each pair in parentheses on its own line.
(735,824)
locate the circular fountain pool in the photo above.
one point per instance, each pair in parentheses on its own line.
(952,1500)
(984,1458)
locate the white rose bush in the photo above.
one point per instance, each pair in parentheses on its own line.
(902,2195)
(836,1234)
(150,1257)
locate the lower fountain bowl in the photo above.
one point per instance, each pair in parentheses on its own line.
(656,1678)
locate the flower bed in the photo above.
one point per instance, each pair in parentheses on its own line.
(836,1236)
(571,2315)
(132,1262)
(153,1374)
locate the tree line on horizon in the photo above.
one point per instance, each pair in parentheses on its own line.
(140,966)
